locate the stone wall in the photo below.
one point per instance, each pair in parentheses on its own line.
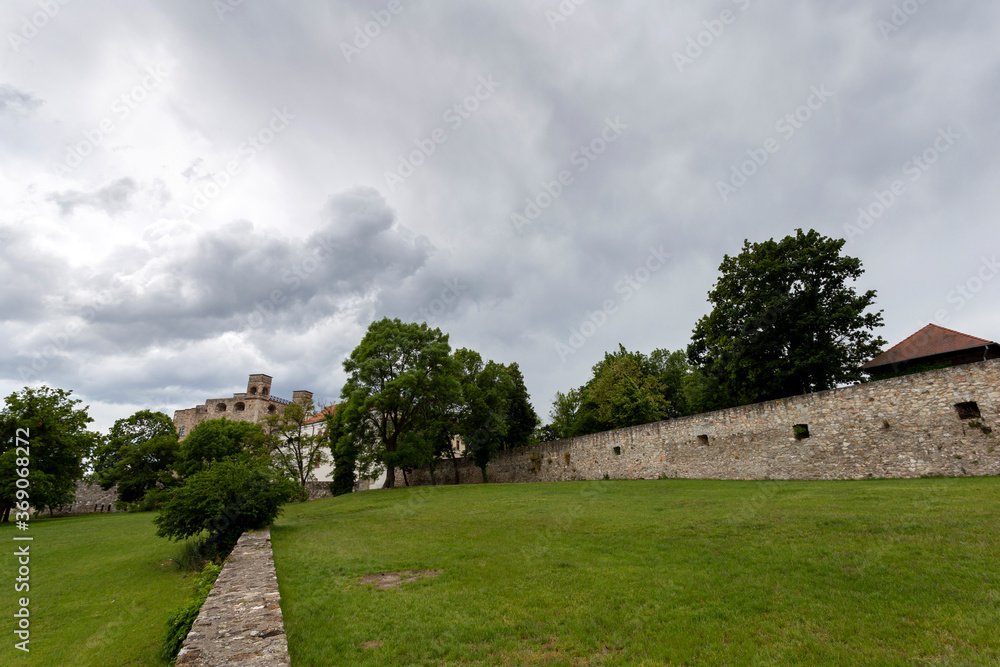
(901,427)
(91,498)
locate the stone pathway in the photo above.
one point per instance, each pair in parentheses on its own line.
(240,622)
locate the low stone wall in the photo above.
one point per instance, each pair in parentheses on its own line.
(90,498)
(901,427)
(241,622)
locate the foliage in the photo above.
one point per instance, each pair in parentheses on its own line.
(58,443)
(495,413)
(344,450)
(225,499)
(139,457)
(785,321)
(296,451)
(398,377)
(626,389)
(217,439)
(180,621)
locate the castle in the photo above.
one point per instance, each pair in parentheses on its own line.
(253,406)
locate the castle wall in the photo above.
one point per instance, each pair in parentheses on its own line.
(901,427)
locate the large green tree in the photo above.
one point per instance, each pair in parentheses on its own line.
(785,320)
(396,376)
(217,439)
(139,456)
(58,442)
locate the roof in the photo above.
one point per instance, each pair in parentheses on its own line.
(930,341)
(321,415)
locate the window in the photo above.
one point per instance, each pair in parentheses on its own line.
(801,431)
(253,391)
(221,407)
(703,439)
(240,407)
(180,431)
(272,409)
(618,451)
(968,410)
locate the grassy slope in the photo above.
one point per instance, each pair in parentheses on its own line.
(100,594)
(677,572)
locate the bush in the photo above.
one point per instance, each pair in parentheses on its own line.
(225,499)
(180,621)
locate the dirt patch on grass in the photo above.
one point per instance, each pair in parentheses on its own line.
(387,580)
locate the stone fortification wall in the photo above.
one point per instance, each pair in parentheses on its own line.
(91,498)
(902,427)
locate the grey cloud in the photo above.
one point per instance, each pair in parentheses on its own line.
(114,198)
(14,102)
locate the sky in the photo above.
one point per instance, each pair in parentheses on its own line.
(197,190)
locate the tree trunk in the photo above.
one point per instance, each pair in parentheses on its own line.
(486,479)
(6,514)
(454,460)
(406,482)
(390,477)
(433,481)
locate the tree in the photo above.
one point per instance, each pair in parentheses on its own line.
(395,376)
(296,450)
(58,443)
(139,457)
(625,392)
(217,439)
(523,418)
(785,321)
(344,450)
(223,499)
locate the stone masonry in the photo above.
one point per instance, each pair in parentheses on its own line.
(922,424)
(253,405)
(240,622)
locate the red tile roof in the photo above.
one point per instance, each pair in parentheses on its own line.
(320,416)
(929,341)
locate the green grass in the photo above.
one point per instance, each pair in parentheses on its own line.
(901,572)
(101,590)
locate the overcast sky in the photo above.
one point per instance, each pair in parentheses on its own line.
(192,191)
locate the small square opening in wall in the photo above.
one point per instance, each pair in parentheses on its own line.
(618,451)
(702,439)
(968,410)
(801,431)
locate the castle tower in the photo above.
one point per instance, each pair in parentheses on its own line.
(301,396)
(259,385)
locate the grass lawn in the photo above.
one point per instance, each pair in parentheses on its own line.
(101,590)
(902,572)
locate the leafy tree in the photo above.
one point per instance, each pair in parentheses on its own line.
(344,450)
(217,439)
(294,448)
(625,392)
(58,443)
(396,375)
(139,456)
(223,499)
(523,418)
(785,321)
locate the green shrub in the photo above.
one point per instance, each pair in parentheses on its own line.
(180,621)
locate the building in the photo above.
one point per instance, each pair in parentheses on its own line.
(931,347)
(254,405)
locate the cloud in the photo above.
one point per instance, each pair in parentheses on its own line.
(114,198)
(16,103)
